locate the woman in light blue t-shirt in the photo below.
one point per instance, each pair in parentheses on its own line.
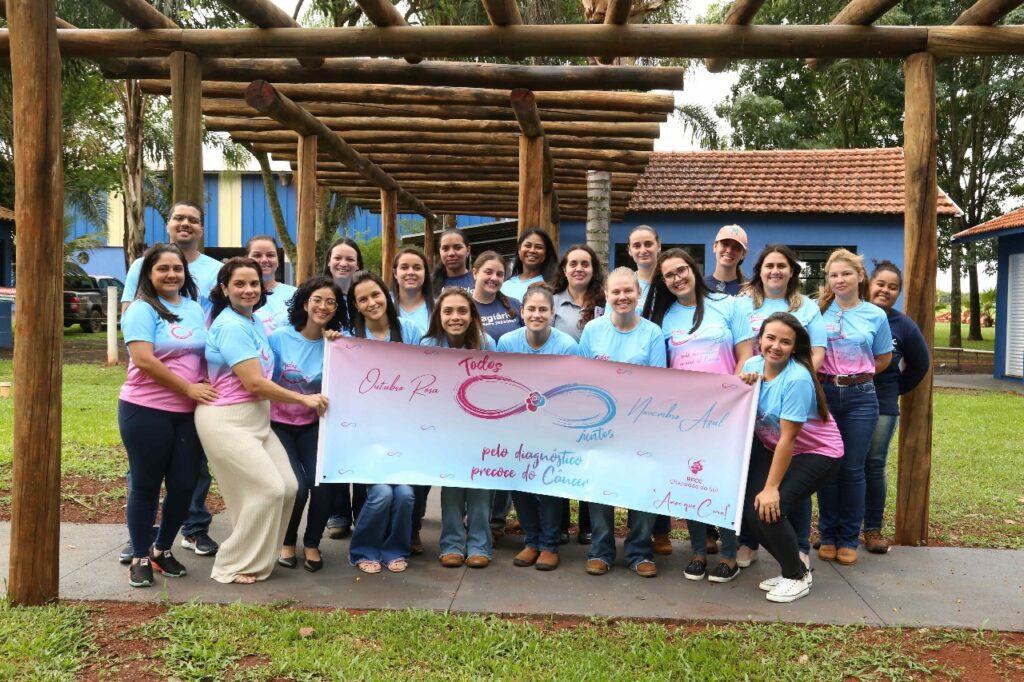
(536,261)
(410,287)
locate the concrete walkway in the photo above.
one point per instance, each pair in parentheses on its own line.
(927,586)
(978,382)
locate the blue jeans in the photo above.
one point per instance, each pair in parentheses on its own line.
(384,528)
(800,518)
(874,471)
(300,444)
(699,539)
(472,537)
(540,517)
(346,502)
(638,545)
(841,500)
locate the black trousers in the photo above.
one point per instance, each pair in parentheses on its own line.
(805,475)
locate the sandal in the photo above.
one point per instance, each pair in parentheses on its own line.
(244,579)
(367,566)
(398,565)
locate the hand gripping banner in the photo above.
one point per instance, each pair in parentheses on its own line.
(659,440)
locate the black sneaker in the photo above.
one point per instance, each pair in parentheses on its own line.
(200,543)
(127,552)
(723,573)
(141,574)
(696,570)
(563,538)
(339,532)
(165,563)
(584,538)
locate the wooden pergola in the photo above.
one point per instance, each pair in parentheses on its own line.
(367,112)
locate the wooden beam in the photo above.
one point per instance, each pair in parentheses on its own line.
(386,137)
(531,181)
(468,172)
(440,125)
(568,196)
(384,14)
(506,186)
(921,262)
(740,13)
(388,232)
(617,14)
(429,241)
(575,40)
(266,14)
(524,106)
(187,121)
(286,153)
(263,97)
(970,41)
(633,158)
(503,12)
(307,205)
(986,12)
(856,13)
(39,215)
(141,14)
(114,67)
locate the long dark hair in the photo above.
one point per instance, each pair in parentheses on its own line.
(660,299)
(426,290)
(755,288)
(217,295)
(474,335)
(504,300)
(147,292)
(550,265)
(391,309)
(350,309)
(801,353)
(593,297)
(440,273)
(297,315)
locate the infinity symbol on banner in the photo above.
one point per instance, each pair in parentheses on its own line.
(535,400)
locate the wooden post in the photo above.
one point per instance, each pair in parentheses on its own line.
(39,214)
(531,181)
(549,216)
(599,213)
(388,231)
(187,119)
(307,203)
(920,264)
(429,242)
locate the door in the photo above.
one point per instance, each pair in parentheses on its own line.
(1015,316)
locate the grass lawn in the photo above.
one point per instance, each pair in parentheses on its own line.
(200,642)
(988,335)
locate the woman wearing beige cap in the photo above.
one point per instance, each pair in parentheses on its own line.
(730,250)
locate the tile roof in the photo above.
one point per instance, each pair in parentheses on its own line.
(1013,219)
(791,181)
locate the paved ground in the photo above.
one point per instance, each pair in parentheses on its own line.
(926,586)
(978,382)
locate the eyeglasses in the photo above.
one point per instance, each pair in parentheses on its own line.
(328,303)
(180,218)
(678,273)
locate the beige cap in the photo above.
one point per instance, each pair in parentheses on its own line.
(733,232)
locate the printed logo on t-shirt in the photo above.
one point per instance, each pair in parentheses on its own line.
(179,332)
(292,375)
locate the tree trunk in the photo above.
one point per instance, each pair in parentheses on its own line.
(599,185)
(133,102)
(954,297)
(974,296)
(275,206)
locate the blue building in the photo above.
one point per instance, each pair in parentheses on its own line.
(1009,231)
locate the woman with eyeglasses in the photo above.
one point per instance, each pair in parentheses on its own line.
(859,347)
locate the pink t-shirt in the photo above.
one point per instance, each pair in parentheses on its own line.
(232,339)
(711,347)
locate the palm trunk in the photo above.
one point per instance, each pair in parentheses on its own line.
(132,101)
(954,297)
(974,296)
(275,206)
(599,214)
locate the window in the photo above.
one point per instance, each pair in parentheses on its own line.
(622,258)
(812,262)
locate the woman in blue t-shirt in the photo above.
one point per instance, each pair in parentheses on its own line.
(536,261)
(539,515)
(796,449)
(453,262)
(465,512)
(859,347)
(298,366)
(499,313)
(274,313)
(383,532)
(410,287)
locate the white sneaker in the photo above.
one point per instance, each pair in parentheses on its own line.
(769,584)
(788,590)
(745,556)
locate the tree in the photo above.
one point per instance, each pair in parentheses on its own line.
(779,104)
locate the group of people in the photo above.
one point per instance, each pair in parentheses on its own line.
(226,366)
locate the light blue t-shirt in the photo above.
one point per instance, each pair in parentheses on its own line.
(516,288)
(178,345)
(203,271)
(808,315)
(299,367)
(711,347)
(230,340)
(558,343)
(644,288)
(487,343)
(791,396)
(855,337)
(642,345)
(411,333)
(274,313)
(420,316)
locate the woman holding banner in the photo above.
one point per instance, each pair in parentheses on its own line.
(383,531)
(621,335)
(775,287)
(796,450)
(703,333)
(248,460)
(465,512)
(539,515)
(298,366)
(859,347)
(410,287)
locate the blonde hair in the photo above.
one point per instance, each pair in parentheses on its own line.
(826,295)
(622,270)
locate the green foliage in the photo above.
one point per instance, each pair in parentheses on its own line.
(371,250)
(44,642)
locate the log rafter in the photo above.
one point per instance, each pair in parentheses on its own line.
(740,13)
(856,13)
(266,14)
